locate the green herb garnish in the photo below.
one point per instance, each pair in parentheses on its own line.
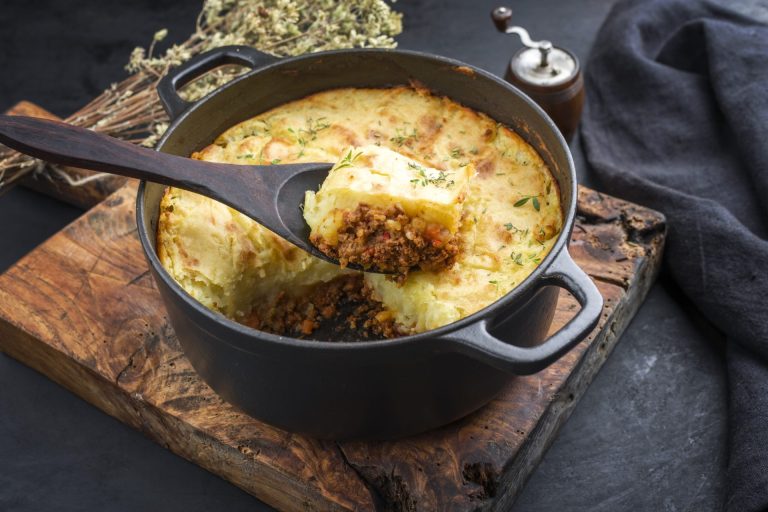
(314,126)
(534,201)
(347,160)
(402,136)
(424,179)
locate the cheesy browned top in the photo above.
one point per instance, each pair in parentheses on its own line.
(511,214)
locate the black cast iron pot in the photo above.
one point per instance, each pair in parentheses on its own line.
(383,388)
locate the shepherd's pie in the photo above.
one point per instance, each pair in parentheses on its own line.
(510,214)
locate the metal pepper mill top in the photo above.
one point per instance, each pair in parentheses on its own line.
(550,75)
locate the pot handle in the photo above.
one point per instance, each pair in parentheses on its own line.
(477,342)
(197,66)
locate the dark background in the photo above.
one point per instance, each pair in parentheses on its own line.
(648,435)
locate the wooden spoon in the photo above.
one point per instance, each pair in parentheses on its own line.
(272,195)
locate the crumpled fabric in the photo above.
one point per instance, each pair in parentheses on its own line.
(676,119)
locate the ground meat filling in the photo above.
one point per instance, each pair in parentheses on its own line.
(382,237)
(389,240)
(343,303)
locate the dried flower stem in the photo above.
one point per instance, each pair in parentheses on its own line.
(131,109)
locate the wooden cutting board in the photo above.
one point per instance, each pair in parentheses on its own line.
(83,310)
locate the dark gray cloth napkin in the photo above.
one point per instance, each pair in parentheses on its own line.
(677,119)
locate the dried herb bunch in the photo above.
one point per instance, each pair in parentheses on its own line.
(131,109)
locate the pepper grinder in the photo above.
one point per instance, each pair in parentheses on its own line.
(550,75)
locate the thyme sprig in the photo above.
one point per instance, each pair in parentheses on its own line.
(534,201)
(348,160)
(423,178)
(402,137)
(314,126)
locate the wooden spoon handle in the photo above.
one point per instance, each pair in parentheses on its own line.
(251,189)
(86,192)
(239,186)
(66,144)
(245,188)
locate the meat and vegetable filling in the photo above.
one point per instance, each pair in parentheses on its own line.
(389,240)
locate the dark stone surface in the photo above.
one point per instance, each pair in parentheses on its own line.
(26,219)
(648,435)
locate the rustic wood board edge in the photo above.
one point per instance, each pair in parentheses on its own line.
(580,378)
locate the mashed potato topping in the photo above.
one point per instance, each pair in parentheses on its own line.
(510,213)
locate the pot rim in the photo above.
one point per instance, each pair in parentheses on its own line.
(518,292)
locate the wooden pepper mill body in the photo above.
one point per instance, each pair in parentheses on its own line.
(563,102)
(550,75)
